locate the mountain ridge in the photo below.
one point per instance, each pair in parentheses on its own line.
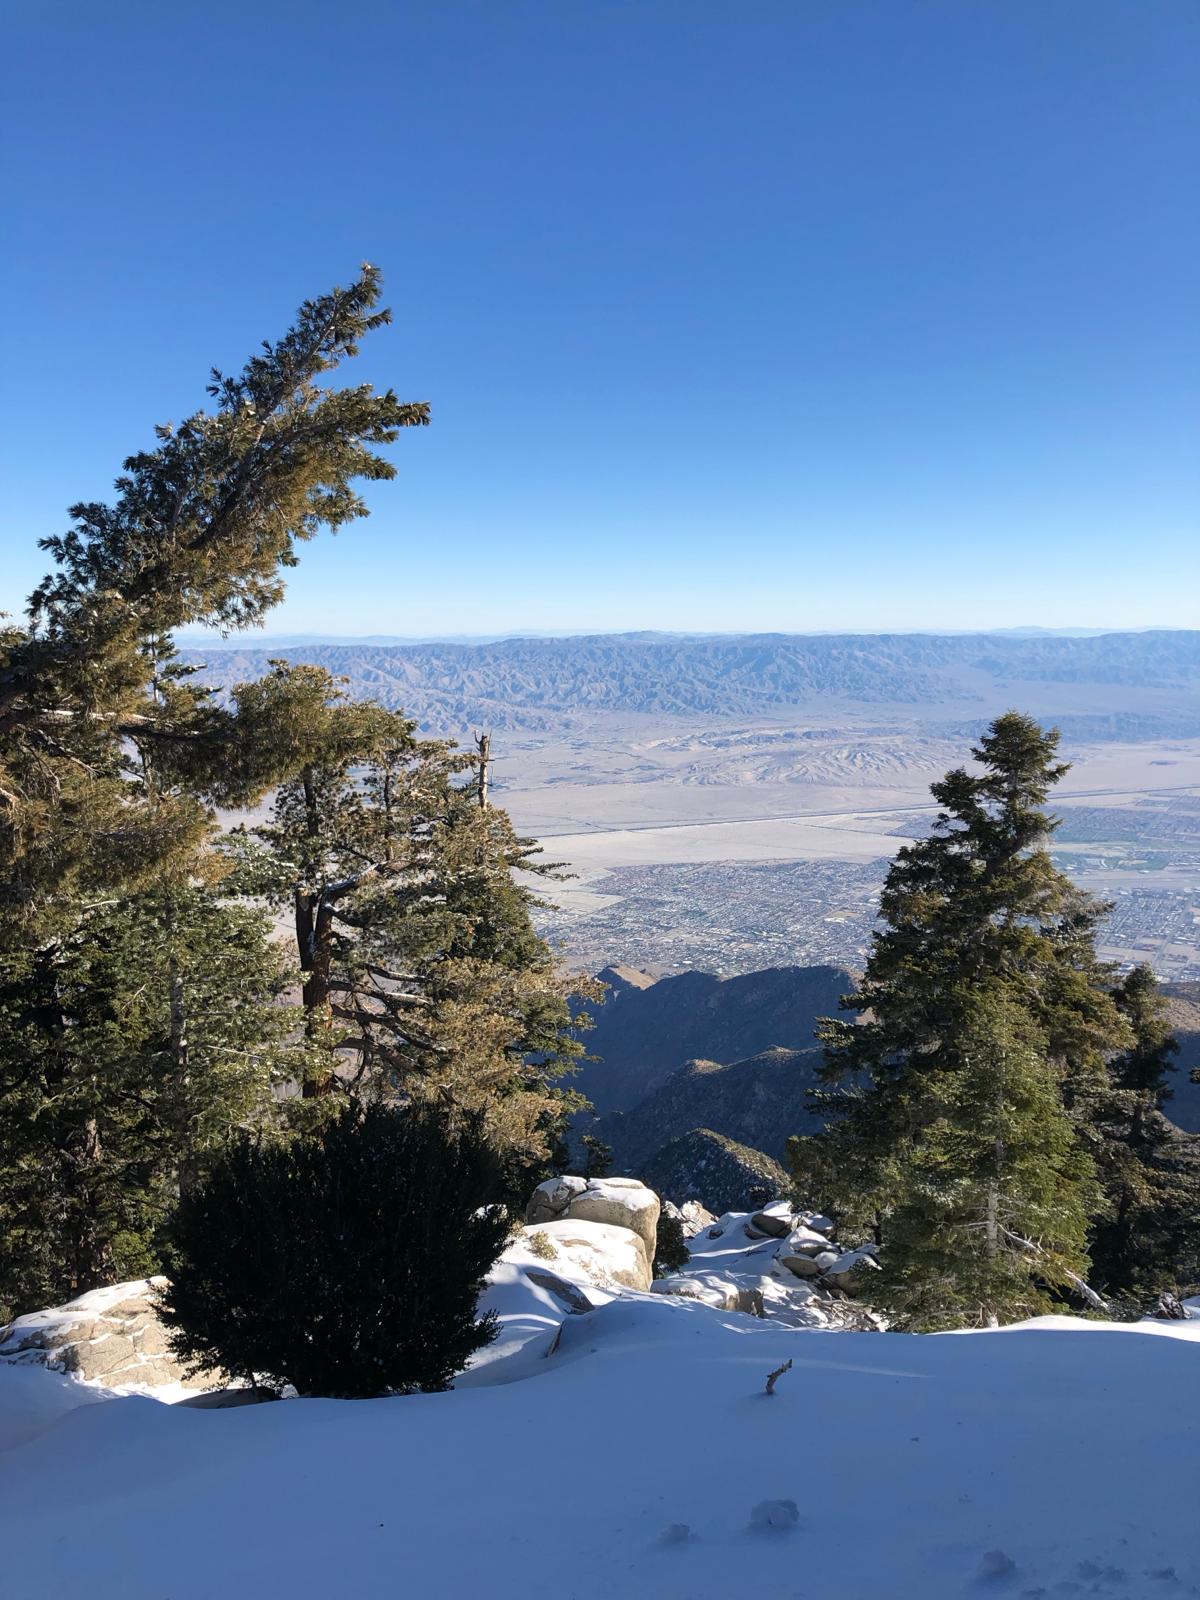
(540,684)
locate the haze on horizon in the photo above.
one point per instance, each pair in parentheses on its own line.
(865,318)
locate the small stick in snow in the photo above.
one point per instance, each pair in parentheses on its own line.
(776,1375)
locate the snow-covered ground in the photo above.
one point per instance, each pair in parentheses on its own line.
(630,1451)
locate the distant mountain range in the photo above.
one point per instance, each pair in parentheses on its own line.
(1101,685)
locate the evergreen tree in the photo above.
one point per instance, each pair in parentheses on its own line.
(423,975)
(671,1253)
(114,1029)
(992,1201)
(129,1051)
(1149,1232)
(597,1156)
(198,534)
(977,910)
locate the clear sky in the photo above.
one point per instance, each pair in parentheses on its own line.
(785,314)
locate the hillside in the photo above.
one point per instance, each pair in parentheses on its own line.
(758,1102)
(642,1035)
(1110,685)
(706,1166)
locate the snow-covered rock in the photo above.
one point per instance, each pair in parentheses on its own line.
(712,1290)
(852,1272)
(775,1219)
(691,1216)
(111,1336)
(806,1241)
(618,1202)
(549,1201)
(600,1253)
(800,1266)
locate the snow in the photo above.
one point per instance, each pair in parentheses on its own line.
(33,1399)
(630,1451)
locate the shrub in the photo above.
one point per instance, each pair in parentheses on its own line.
(542,1245)
(347,1265)
(670,1247)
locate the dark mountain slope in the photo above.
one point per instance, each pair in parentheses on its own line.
(644,1035)
(722,1174)
(1183,1010)
(758,1102)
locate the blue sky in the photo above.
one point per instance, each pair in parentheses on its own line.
(791,314)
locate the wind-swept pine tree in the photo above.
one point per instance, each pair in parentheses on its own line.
(198,534)
(977,909)
(137,1013)
(424,978)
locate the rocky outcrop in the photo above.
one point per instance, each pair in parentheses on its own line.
(800,1245)
(111,1337)
(691,1216)
(549,1201)
(722,1174)
(616,1202)
(711,1289)
(600,1253)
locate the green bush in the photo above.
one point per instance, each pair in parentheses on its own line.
(670,1247)
(347,1265)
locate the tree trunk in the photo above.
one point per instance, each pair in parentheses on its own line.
(90,1252)
(314,937)
(483,743)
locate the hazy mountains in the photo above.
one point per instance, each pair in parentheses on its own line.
(1106,685)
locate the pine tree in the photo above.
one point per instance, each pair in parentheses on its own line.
(423,975)
(974,910)
(198,534)
(111,760)
(597,1156)
(130,1051)
(1149,1232)
(992,1201)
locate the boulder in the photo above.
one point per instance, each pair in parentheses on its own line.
(852,1272)
(806,1242)
(711,1290)
(693,1217)
(111,1337)
(800,1266)
(549,1201)
(619,1203)
(775,1220)
(600,1253)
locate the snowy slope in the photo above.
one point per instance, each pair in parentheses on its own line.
(920,1467)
